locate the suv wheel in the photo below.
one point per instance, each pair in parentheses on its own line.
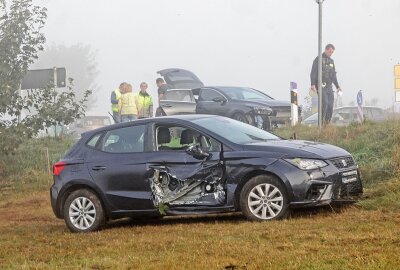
(241,117)
(83,211)
(264,198)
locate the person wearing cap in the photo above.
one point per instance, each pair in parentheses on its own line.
(328,78)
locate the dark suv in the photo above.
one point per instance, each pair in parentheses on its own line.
(241,103)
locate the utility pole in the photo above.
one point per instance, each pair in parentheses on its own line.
(55,91)
(319,2)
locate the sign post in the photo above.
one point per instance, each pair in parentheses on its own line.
(360,114)
(397,83)
(294,107)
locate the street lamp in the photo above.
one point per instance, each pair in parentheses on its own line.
(319,2)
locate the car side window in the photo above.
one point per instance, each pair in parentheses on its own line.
(208,95)
(124,140)
(93,141)
(179,95)
(179,138)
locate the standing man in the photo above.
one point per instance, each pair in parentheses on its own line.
(144,102)
(115,98)
(162,88)
(328,78)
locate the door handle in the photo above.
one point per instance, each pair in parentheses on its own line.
(98,168)
(166,106)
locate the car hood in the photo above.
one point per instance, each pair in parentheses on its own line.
(299,149)
(270,103)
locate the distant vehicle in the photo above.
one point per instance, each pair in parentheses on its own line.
(344,116)
(85,124)
(177,101)
(244,104)
(195,164)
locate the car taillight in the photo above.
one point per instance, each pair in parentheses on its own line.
(58,167)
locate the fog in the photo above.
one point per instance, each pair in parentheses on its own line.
(258,43)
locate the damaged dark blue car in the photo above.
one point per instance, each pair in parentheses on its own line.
(195,164)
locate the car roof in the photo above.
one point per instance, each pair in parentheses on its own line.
(184,117)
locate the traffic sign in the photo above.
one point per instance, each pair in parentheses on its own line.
(41,78)
(397,70)
(397,83)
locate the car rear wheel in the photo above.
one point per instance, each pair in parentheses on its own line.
(83,211)
(264,198)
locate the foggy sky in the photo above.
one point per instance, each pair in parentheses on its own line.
(255,43)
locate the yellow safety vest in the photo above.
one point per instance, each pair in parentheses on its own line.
(144,101)
(115,107)
(128,104)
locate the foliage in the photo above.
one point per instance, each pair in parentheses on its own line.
(20,41)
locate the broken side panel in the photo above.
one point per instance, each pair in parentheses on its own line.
(190,184)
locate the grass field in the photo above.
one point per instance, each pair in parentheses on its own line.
(363,236)
(32,238)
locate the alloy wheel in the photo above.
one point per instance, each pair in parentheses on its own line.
(82,213)
(265,201)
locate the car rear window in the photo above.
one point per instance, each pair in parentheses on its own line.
(124,140)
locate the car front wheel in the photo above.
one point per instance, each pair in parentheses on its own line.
(264,198)
(242,118)
(83,211)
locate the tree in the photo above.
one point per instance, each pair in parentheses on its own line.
(79,61)
(21,39)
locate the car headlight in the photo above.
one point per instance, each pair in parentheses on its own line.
(307,164)
(262,110)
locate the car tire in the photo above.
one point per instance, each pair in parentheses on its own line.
(267,124)
(241,117)
(83,211)
(264,198)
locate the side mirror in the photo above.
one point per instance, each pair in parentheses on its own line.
(197,152)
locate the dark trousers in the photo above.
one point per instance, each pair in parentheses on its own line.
(327,104)
(116,117)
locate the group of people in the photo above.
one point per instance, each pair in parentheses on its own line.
(127,106)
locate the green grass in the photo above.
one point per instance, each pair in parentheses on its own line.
(363,236)
(375,146)
(28,168)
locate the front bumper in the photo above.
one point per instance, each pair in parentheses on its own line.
(323,186)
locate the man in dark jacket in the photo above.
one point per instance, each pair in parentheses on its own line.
(328,78)
(162,88)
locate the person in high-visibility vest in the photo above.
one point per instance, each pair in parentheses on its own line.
(115,97)
(144,102)
(127,105)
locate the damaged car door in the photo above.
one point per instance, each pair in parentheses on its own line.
(187,170)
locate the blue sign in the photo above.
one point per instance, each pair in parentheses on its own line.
(359,98)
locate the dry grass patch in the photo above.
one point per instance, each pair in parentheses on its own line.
(31,237)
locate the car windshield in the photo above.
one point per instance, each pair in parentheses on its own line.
(243,93)
(235,131)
